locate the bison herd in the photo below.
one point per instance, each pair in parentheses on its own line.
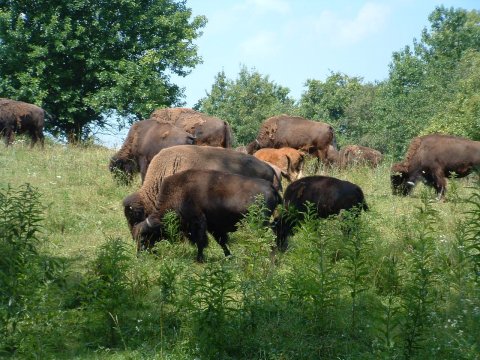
(187,164)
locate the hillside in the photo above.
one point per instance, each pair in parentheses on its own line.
(401,282)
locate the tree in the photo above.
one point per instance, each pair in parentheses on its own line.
(83,60)
(328,101)
(246,102)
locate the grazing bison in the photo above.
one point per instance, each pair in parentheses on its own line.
(432,158)
(208,130)
(144,140)
(290,161)
(204,200)
(311,137)
(329,196)
(354,155)
(18,117)
(169,161)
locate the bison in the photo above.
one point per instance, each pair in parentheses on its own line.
(208,130)
(169,161)
(18,117)
(354,155)
(309,136)
(144,140)
(289,160)
(329,195)
(204,200)
(432,158)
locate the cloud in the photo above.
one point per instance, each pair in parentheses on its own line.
(369,20)
(262,45)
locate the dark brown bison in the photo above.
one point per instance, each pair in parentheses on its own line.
(204,200)
(289,160)
(208,130)
(144,140)
(329,196)
(18,117)
(311,137)
(351,155)
(169,161)
(432,158)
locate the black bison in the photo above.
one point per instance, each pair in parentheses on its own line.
(208,130)
(432,158)
(144,140)
(351,155)
(139,205)
(329,195)
(289,160)
(18,117)
(311,137)
(204,200)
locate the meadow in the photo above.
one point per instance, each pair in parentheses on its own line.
(402,281)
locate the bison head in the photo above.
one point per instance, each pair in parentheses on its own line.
(400,180)
(122,169)
(147,233)
(134,210)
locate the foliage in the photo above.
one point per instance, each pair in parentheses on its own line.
(245,102)
(395,282)
(81,60)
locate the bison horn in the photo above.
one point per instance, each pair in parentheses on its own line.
(411,183)
(148,223)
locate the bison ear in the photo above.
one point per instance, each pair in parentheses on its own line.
(165,134)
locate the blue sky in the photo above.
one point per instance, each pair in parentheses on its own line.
(295,40)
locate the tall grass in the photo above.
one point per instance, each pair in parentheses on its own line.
(400,281)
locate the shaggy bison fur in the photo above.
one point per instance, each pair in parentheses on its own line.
(139,205)
(204,200)
(18,117)
(144,140)
(432,158)
(207,130)
(329,196)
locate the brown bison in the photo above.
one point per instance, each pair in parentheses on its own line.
(432,158)
(311,137)
(169,161)
(18,117)
(208,130)
(144,140)
(329,196)
(289,160)
(204,200)
(351,155)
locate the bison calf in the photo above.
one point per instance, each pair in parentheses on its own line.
(204,200)
(329,196)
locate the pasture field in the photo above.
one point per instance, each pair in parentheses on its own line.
(403,281)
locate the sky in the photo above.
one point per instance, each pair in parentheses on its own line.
(291,41)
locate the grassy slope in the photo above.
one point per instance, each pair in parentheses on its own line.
(83,203)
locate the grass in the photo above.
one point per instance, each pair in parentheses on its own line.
(164,306)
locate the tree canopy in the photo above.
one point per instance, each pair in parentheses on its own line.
(246,102)
(85,59)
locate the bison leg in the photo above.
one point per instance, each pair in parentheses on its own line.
(198,236)
(439,183)
(143,164)
(222,240)
(9,137)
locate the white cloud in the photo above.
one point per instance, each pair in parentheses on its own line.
(263,44)
(369,20)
